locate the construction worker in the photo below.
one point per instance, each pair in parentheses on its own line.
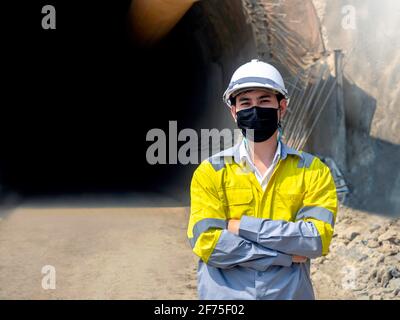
(260,210)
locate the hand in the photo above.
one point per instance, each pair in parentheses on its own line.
(233,226)
(299,259)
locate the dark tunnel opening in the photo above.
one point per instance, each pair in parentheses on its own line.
(82,100)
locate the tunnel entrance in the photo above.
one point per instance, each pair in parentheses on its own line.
(83,98)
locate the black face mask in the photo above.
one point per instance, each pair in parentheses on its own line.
(264,122)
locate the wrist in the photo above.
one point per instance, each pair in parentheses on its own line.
(233,226)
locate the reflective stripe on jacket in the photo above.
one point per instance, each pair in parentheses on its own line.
(295,215)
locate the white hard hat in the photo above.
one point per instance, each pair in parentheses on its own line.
(255,74)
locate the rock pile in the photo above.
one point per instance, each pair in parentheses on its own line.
(364,259)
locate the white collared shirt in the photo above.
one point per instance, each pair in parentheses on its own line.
(262,179)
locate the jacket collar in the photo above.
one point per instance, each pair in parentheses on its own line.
(285,151)
(288,150)
(235,152)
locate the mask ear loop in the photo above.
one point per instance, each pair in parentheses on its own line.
(280,130)
(245,143)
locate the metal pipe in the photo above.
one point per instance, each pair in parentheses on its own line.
(299,129)
(312,104)
(319,113)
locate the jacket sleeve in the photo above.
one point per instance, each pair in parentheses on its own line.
(207,232)
(311,233)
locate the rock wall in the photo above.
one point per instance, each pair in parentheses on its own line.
(371,96)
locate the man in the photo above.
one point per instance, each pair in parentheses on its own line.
(259,210)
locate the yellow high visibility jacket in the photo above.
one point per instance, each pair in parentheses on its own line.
(295,215)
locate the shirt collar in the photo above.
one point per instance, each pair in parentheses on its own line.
(243,154)
(282,151)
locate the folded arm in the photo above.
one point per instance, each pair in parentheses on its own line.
(310,235)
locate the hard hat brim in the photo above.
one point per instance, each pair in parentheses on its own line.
(234,92)
(239,91)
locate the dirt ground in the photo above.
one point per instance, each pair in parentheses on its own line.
(112,249)
(110,252)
